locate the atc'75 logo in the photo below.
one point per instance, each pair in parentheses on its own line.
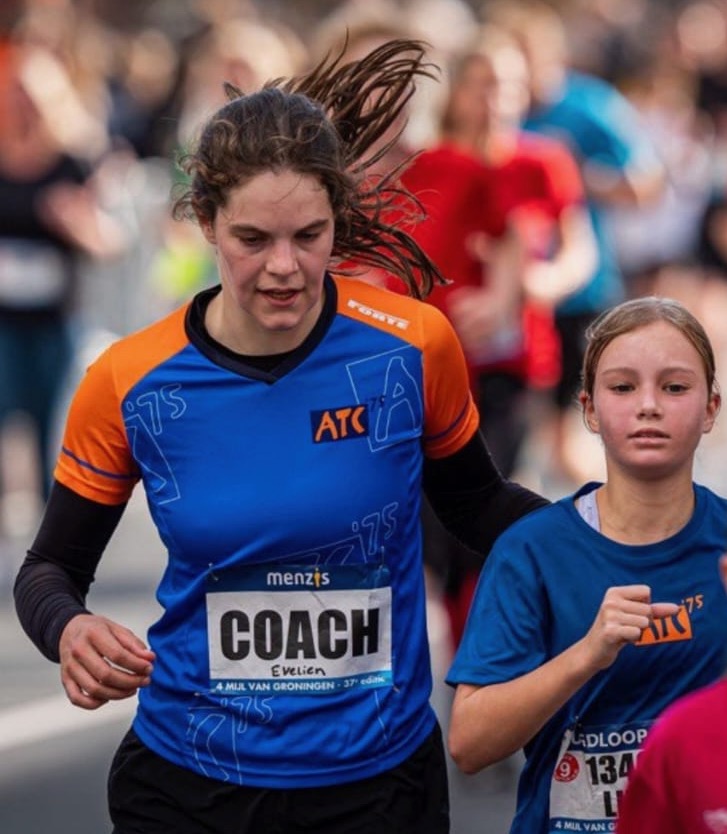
(342,423)
(676,627)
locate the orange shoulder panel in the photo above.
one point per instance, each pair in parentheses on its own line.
(451,416)
(95,460)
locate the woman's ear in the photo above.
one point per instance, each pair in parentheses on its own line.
(208,230)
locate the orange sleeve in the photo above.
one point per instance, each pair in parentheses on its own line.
(451,416)
(95,459)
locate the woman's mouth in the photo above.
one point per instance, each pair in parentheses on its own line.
(280,296)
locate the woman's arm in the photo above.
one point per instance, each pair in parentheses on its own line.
(53,581)
(472,499)
(100,660)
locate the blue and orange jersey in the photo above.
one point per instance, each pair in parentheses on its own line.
(291,651)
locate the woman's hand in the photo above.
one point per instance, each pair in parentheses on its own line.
(102,661)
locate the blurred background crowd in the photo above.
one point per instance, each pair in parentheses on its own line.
(571,153)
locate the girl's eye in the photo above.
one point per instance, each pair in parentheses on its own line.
(622,387)
(675,387)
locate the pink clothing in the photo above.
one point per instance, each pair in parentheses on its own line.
(679,784)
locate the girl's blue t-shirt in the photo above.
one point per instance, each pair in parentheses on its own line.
(539,593)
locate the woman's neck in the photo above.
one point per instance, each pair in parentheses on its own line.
(644,512)
(236,330)
(495,147)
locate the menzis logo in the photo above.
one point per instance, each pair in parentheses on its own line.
(314,578)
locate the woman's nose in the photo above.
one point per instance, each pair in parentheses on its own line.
(282,260)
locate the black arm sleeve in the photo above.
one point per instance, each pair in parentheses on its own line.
(472,499)
(53,581)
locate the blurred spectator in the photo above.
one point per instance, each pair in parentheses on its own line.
(49,216)
(144,92)
(650,239)
(537,188)
(244,50)
(534,191)
(701,29)
(361,25)
(609,37)
(618,164)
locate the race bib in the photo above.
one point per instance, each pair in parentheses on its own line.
(590,776)
(292,629)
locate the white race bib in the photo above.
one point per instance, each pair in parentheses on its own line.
(589,778)
(299,629)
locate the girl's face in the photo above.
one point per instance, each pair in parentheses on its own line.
(650,401)
(273,240)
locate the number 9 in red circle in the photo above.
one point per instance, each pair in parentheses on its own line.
(567,769)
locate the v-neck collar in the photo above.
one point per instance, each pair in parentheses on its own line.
(268,368)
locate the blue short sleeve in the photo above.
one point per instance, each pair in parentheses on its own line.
(505,635)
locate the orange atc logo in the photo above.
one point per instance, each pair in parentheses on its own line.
(668,629)
(344,423)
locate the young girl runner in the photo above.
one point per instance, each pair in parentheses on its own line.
(595,613)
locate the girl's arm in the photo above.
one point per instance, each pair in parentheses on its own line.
(489,723)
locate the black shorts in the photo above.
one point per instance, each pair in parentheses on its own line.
(150,795)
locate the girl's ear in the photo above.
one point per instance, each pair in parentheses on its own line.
(589,414)
(723,569)
(713,407)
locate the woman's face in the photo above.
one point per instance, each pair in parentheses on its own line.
(650,401)
(273,240)
(472,95)
(491,90)
(513,84)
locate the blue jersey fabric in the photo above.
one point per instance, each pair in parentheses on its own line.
(600,127)
(539,593)
(292,650)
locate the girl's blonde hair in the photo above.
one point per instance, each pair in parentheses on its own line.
(639,312)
